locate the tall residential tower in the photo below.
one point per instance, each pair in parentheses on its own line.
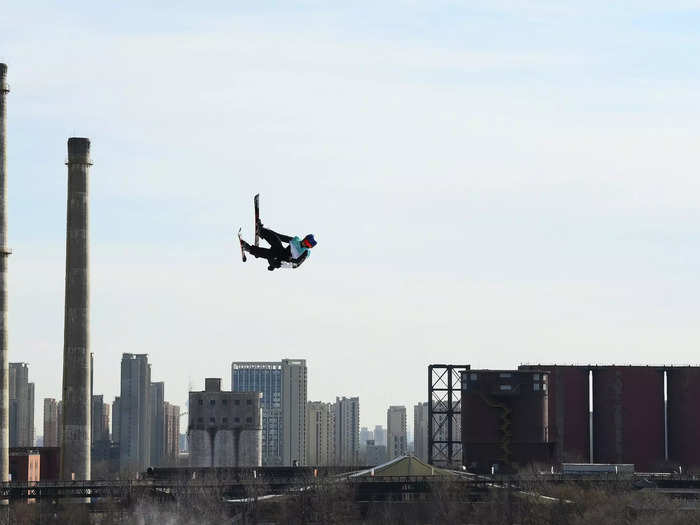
(347,430)
(283,385)
(134,413)
(396,431)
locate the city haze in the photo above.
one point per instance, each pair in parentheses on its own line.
(489,183)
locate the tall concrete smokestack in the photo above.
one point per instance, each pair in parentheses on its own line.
(4,252)
(75,446)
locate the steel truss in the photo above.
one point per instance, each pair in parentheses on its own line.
(444,413)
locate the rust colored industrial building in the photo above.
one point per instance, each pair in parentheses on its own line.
(623,418)
(504,418)
(25,465)
(44,463)
(683,409)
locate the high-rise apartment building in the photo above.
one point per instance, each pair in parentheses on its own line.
(172,434)
(347,430)
(60,422)
(50,422)
(99,419)
(115,419)
(379,436)
(264,377)
(294,412)
(283,386)
(21,406)
(375,454)
(157,416)
(134,413)
(365,435)
(396,431)
(319,434)
(32,428)
(420,431)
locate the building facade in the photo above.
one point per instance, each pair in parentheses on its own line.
(157,416)
(224,428)
(379,436)
(293,412)
(347,430)
(172,434)
(396,431)
(319,434)
(21,406)
(264,377)
(100,419)
(116,411)
(376,454)
(420,431)
(505,419)
(283,388)
(50,422)
(32,427)
(134,413)
(365,435)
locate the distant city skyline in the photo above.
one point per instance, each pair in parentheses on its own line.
(487,182)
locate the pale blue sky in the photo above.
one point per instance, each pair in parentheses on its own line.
(489,182)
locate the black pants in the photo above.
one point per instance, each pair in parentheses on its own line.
(277,252)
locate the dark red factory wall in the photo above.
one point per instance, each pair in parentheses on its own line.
(479,457)
(50,463)
(568,395)
(684,417)
(529,415)
(480,422)
(483,405)
(489,438)
(628,420)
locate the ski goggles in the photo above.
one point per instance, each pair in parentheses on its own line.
(308,241)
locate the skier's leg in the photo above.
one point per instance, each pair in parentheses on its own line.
(273,239)
(256,251)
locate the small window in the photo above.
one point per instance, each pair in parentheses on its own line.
(249,420)
(536,387)
(236,419)
(237,402)
(212,420)
(248,401)
(544,386)
(506,387)
(201,401)
(536,377)
(504,374)
(212,402)
(474,377)
(224,401)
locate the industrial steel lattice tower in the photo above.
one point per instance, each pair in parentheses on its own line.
(75,446)
(444,414)
(4,252)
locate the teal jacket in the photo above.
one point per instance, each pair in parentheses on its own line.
(299,252)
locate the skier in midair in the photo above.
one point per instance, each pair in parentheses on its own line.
(293,254)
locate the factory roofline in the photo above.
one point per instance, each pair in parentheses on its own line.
(612,365)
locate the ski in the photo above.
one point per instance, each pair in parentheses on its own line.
(240,240)
(256,202)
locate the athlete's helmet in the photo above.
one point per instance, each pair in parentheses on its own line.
(308,241)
